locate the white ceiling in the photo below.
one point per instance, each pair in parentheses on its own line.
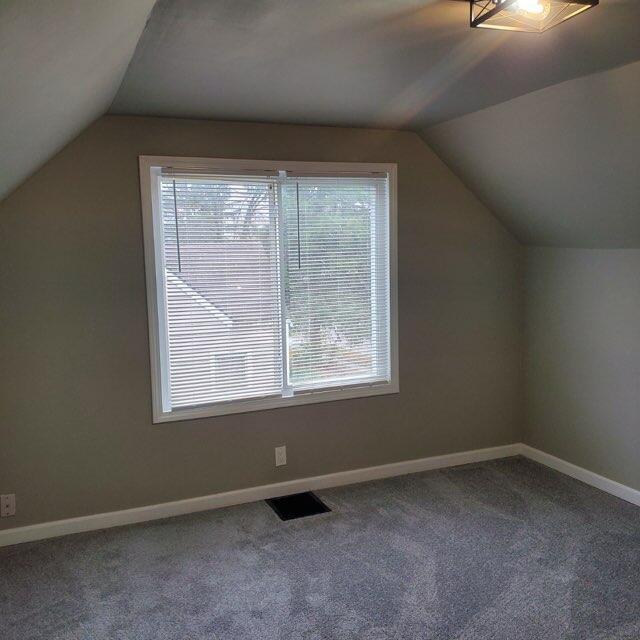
(392,63)
(395,63)
(559,166)
(61,63)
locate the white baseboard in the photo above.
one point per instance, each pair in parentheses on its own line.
(252,494)
(579,473)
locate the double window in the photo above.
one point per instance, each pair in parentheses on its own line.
(269,284)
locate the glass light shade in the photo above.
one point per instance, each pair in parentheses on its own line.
(525,15)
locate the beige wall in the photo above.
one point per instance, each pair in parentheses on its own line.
(75,408)
(583,358)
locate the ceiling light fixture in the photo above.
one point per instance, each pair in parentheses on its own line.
(525,15)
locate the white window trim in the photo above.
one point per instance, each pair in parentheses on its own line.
(150,167)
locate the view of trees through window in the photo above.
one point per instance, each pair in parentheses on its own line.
(329,275)
(285,264)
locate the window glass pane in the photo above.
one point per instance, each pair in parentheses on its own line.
(337,280)
(222,289)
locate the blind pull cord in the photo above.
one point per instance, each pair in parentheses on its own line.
(175,215)
(298,211)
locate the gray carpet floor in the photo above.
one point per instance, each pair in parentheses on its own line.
(503,550)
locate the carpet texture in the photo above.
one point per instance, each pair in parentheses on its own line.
(503,550)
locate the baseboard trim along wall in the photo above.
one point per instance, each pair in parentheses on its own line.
(579,473)
(252,494)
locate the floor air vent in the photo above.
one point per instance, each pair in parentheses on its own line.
(298,505)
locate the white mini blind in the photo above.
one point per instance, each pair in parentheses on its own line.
(337,281)
(222,289)
(270,285)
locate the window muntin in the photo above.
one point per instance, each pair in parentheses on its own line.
(291,272)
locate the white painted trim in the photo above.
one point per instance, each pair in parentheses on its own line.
(150,171)
(251,494)
(579,473)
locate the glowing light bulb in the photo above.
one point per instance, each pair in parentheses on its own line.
(532,9)
(530,6)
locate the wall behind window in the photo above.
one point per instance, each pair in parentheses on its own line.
(75,408)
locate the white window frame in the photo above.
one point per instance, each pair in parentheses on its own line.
(150,170)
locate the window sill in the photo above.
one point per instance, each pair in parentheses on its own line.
(261,404)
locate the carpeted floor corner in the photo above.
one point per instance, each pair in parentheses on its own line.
(503,550)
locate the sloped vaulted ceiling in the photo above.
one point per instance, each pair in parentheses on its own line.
(391,63)
(61,62)
(559,166)
(394,63)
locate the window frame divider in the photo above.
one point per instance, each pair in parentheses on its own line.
(287,390)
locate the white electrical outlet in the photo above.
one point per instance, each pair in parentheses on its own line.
(281,456)
(7,505)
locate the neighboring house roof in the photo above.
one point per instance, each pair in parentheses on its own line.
(176,286)
(225,273)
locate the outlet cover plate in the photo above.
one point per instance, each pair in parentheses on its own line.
(7,505)
(281,456)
